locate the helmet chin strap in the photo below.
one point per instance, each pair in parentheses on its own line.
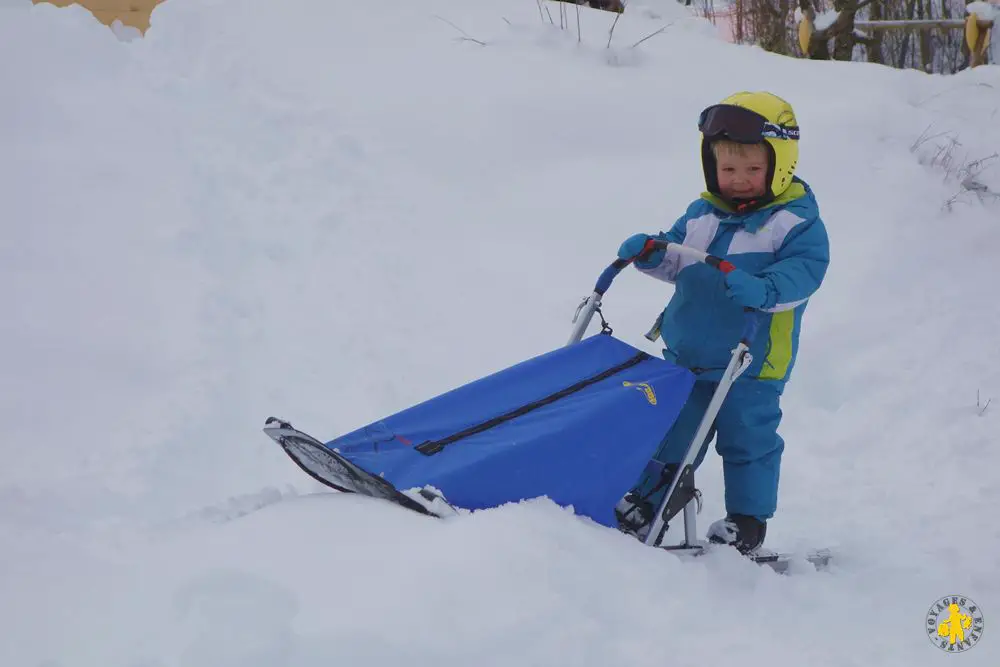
(746,204)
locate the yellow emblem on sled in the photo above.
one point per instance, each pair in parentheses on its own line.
(644,388)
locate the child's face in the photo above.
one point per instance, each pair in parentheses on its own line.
(742,173)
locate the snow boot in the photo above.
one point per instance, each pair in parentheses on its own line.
(746,533)
(634,512)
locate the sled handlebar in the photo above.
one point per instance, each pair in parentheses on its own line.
(592,303)
(652,245)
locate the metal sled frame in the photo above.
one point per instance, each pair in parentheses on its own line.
(681,494)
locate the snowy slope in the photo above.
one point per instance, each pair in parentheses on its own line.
(330,210)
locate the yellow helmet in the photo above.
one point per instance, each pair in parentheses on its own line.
(771,120)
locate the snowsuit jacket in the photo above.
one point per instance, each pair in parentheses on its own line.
(785,243)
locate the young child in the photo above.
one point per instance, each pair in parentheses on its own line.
(764,220)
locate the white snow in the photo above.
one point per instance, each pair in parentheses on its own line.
(125,33)
(328,211)
(826,19)
(822,21)
(984,10)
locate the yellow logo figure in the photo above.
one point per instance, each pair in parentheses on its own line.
(954,623)
(644,388)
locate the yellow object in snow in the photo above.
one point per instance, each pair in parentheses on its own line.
(134,13)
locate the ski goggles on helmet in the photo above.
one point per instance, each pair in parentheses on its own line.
(741,125)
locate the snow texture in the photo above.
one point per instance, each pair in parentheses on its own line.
(822,21)
(826,19)
(329,210)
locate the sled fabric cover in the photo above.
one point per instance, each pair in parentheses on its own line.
(577,425)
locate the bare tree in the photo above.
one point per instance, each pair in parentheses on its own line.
(767,23)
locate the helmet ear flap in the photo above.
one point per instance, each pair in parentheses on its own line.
(708,165)
(772,187)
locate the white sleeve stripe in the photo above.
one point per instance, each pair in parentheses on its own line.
(698,234)
(667,269)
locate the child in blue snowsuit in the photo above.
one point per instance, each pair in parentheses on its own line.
(764,220)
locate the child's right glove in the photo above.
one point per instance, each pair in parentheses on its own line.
(747,290)
(633,245)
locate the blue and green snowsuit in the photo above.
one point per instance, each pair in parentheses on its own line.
(786,243)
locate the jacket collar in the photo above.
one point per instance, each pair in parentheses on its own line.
(754,220)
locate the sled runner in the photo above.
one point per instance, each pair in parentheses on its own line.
(577,424)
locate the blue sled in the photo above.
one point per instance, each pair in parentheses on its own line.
(576,425)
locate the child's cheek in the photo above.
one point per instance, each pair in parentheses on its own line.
(761,183)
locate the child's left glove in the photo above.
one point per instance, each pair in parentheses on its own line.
(747,290)
(632,247)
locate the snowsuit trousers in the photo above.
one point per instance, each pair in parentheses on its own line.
(746,432)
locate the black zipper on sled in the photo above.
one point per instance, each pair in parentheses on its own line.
(434,446)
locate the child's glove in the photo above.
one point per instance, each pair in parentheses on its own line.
(746,289)
(631,248)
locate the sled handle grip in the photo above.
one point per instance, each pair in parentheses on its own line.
(652,245)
